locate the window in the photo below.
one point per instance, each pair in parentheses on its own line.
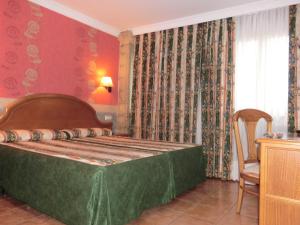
(261,76)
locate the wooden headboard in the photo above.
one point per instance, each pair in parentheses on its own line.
(50,111)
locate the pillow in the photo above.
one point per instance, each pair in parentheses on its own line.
(2,136)
(48,134)
(91,132)
(94,132)
(69,133)
(19,135)
(81,132)
(15,135)
(36,135)
(107,132)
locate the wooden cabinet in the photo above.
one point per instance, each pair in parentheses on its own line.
(279,182)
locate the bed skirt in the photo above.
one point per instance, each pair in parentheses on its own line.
(78,193)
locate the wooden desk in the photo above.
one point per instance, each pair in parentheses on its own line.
(279,181)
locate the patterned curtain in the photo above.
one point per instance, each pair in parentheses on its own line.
(216,72)
(294,64)
(174,71)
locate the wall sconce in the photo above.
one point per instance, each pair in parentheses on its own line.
(106,82)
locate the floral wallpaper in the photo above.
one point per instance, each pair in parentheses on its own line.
(42,51)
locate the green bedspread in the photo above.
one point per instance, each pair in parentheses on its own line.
(82,194)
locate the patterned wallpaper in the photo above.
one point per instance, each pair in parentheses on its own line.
(42,51)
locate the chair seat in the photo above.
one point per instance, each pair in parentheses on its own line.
(252,168)
(251,172)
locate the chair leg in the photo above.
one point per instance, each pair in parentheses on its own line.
(258,199)
(241,195)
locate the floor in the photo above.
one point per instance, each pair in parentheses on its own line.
(211,203)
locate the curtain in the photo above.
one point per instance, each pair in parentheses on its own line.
(261,76)
(216,72)
(179,74)
(165,85)
(294,71)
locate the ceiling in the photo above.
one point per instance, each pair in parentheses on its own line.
(132,14)
(126,14)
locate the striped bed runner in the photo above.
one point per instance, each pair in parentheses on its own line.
(102,151)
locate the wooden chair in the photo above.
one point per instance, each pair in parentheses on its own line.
(250,117)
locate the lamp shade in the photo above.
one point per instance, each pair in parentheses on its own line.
(106,81)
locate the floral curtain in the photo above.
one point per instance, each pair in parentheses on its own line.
(216,72)
(174,71)
(294,68)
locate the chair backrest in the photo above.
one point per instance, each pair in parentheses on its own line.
(250,117)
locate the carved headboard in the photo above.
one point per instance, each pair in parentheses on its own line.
(50,111)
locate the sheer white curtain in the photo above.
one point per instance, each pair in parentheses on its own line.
(261,76)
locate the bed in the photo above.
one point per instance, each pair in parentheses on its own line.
(103,180)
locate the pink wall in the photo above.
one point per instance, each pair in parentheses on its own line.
(42,51)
